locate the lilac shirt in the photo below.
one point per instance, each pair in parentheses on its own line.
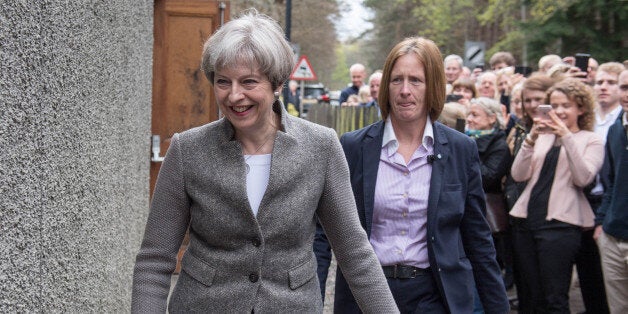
(399,230)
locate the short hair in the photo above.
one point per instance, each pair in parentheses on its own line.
(492,108)
(558,70)
(357,67)
(502,56)
(456,58)
(611,67)
(481,77)
(552,59)
(466,83)
(429,55)
(253,39)
(582,95)
(536,82)
(375,75)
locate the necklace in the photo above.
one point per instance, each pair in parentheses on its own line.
(248,168)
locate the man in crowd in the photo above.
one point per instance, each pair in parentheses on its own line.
(611,218)
(358,74)
(588,258)
(453,68)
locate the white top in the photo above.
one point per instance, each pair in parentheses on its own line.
(257,179)
(601,129)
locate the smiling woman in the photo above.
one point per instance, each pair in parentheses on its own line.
(250,187)
(557,165)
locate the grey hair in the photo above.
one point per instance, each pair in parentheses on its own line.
(492,108)
(252,39)
(456,58)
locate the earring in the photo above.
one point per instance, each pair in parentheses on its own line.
(276,95)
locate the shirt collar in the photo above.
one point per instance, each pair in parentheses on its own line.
(611,116)
(625,120)
(390,139)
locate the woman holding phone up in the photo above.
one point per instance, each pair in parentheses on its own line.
(558,158)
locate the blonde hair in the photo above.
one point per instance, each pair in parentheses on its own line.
(452,111)
(364,94)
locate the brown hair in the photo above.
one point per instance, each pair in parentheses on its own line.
(582,95)
(428,54)
(466,83)
(536,82)
(502,56)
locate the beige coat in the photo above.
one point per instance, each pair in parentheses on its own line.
(236,262)
(580,159)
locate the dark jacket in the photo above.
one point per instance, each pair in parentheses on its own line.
(495,160)
(613,213)
(460,246)
(345,93)
(513,189)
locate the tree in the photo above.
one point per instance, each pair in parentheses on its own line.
(312,31)
(568,27)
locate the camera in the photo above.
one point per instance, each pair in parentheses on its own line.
(453,98)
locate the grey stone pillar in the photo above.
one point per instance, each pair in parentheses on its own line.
(75,103)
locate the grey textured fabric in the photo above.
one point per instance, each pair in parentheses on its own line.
(236,262)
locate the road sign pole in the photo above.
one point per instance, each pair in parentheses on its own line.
(301,99)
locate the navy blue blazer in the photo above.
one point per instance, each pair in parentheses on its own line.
(460,245)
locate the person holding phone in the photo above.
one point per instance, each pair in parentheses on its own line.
(559,157)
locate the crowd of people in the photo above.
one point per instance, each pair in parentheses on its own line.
(544,201)
(473,181)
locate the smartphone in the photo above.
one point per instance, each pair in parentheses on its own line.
(582,61)
(523,70)
(453,98)
(543,113)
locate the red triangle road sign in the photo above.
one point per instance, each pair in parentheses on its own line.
(303,70)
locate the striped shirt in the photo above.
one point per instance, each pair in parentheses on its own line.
(399,229)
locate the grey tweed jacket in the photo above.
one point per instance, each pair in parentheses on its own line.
(239,263)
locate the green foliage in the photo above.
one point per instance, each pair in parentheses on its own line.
(523,27)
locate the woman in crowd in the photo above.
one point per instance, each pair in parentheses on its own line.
(465,88)
(484,124)
(250,187)
(558,158)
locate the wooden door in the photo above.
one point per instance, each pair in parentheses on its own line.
(182,96)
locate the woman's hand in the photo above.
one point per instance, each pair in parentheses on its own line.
(557,125)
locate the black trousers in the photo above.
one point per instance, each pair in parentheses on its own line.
(544,260)
(589,266)
(412,295)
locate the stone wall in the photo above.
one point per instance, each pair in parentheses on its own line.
(75,103)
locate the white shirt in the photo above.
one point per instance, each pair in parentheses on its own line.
(257,179)
(601,129)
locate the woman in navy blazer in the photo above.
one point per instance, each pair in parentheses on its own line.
(409,167)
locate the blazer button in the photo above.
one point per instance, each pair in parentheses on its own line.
(256,242)
(253,277)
